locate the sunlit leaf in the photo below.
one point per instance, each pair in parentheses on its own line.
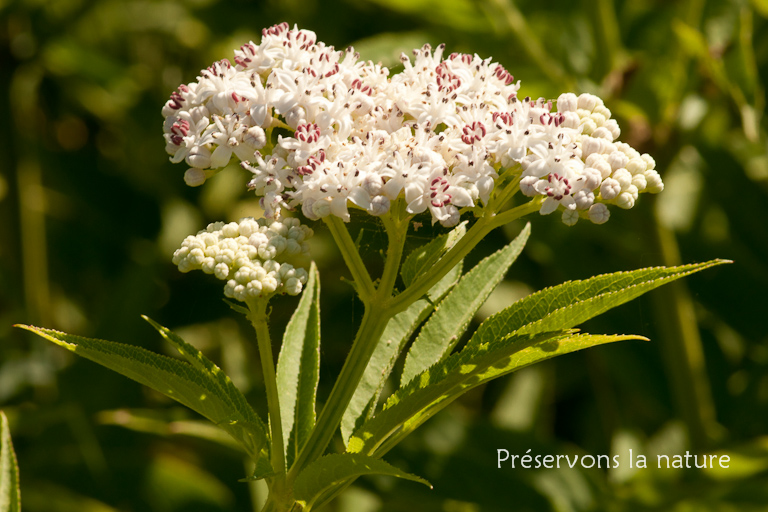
(334,469)
(438,386)
(209,369)
(187,384)
(398,331)
(569,304)
(424,257)
(452,316)
(298,368)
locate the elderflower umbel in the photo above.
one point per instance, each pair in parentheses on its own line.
(250,255)
(437,135)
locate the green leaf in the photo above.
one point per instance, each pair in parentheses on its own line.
(334,469)
(398,331)
(10,495)
(213,373)
(424,257)
(451,318)
(569,304)
(298,368)
(438,386)
(160,423)
(206,391)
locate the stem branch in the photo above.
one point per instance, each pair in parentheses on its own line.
(259,319)
(363,282)
(375,319)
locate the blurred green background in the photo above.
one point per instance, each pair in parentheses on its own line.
(91,211)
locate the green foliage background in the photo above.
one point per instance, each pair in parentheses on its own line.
(91,210)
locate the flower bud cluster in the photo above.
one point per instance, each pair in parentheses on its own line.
(592,170)
(250,255)
(437,135)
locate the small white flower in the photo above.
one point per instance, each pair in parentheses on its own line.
(558,190)
(436,135)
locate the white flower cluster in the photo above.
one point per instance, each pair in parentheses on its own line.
(437,135)
(249,255)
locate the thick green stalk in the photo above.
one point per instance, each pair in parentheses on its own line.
(375,319)
(260,321)
(380,306)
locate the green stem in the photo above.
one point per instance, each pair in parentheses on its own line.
(477,232)
(363,283)
(515,213)
(396,229)
(498,200)
(260,321)
(375,319)
(371,329)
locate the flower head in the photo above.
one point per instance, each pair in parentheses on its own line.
(250,255)
(438,135)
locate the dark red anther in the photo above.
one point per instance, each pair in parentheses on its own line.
(503,75)
(180,128)
(276,30)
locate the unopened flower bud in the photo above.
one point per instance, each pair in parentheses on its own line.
(636,166)
(199,156)
(451,219)
(567,102)
(623,177)
(639,182)
(599,213)
(654,185)
(613,126)
(373,185)
(379,205)
(321,208)
(610,189)
(194,177)
(584,199)
(618,160)
(603,133)
(650,162)
(295,117)
(592,178)
(255,137)
(528,186)
(570,217)
(625,200)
